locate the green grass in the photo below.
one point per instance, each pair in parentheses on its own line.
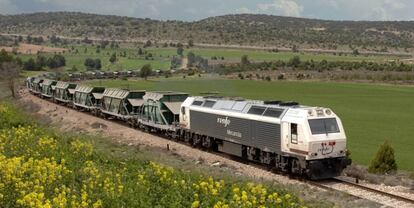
(261,55)
(370,113)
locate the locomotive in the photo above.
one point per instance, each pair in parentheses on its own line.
(284,136)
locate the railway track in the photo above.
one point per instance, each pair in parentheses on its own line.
(336,184)
(397,197)
(356,190)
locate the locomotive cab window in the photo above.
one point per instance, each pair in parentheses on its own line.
(294,133)
(324,126)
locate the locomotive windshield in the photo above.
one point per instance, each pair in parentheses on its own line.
(324,126)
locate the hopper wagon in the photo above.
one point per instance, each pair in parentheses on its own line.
(36,86)
(161,110)
(64,92)
(88,98)
(122,104)
(48,86)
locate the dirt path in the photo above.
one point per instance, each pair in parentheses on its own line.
(69,120)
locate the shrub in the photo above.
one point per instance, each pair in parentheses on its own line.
(384,161)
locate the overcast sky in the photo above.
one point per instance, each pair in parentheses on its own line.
(189,10)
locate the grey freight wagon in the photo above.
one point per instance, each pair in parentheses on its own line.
(64,92)
(121,104)
(162,109)
(36,85)
(88,98)
(48,88)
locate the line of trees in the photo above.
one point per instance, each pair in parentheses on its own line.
(41,62)
(295,63)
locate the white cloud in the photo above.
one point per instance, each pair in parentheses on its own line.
(282,7)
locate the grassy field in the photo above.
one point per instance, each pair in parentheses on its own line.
(261,55)
(131,62)
(370,113)
(161,57)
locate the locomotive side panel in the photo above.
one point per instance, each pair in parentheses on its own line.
(267,136)
(262,135)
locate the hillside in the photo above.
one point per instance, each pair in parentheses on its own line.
(242,29)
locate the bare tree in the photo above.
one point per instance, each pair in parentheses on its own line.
(9,72)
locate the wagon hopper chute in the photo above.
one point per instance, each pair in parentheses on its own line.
(88,98)
(48,87)
(64,92)
(162,109)
(122,104)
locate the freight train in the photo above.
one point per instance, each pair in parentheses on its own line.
(284,136)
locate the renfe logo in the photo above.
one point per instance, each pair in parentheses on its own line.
(226,121)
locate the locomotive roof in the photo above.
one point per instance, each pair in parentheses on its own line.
(255,107)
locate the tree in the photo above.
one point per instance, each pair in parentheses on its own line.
(190,43)
(5,57)
(89,64)
(93,64)
(190,59)
(56,61)
(9,72)
(98,64)
(40,62)
(148,44)
(355,52)
(30,65)
(146,71)
(245,60)
(140,52)
(295,49)
(180,51)
(384,161)
(113,58)
(294,61)
(29,39)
